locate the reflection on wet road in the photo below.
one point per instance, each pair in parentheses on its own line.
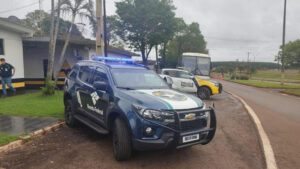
(16,125)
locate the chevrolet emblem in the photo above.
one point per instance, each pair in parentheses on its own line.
(190,116)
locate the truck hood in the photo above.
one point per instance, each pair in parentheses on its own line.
(203,77)
(162,99)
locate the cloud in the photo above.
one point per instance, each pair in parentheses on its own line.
(231,27)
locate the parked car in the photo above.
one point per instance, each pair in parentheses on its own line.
(179,80)
(134,104)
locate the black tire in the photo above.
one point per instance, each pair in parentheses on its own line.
(121,141)
(203,93)
(69,114)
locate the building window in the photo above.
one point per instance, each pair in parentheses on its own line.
(1,47)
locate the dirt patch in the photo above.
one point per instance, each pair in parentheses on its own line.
(235,146)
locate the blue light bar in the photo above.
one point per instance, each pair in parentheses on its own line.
(110,59)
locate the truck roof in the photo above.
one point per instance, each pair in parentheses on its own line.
(196,54)
(174,70)
(113,65)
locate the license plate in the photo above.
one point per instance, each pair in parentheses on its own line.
(190,138)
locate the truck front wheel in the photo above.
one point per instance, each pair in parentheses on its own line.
(203,93)
(121,140)
(69,114)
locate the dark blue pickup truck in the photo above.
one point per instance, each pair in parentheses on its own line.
(133,103)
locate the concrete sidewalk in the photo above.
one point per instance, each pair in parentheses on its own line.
(18,125)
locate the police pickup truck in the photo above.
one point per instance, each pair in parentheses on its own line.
(133,103)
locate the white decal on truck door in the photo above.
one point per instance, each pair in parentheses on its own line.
(78,98)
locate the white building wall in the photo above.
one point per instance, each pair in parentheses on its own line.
(34,57)
(13,51)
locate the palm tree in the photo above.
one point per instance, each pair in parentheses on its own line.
(76,8)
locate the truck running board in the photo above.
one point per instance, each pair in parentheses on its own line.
(91,124)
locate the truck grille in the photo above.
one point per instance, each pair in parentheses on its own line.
(198,122)
(193,125)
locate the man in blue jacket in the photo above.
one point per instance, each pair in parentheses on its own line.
(6,72)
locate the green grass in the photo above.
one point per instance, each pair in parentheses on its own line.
(266,84)
(34,104)
(292,91)
(5,139)
(277,76)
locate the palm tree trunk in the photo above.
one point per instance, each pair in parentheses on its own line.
(51,46)
(56,26)
(62,55)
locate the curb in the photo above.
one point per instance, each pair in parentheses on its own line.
(296,95)
(263,137)
(19,143)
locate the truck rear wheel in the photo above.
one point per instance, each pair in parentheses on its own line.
(121,141)
(203,93)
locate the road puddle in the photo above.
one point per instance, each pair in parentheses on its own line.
(18,125)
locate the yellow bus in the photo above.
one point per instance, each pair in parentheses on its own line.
(199,65)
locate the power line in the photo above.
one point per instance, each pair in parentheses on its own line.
(22,7)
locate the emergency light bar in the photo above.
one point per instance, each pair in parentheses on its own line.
(110,59)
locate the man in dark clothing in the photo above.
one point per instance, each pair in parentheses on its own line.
(6,72)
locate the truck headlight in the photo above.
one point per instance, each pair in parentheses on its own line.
(215,84)
(156,115)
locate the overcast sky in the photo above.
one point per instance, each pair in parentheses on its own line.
(231,27)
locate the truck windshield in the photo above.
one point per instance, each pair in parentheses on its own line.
(137,79)
(197,65)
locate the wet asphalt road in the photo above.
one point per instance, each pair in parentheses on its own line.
(235,145)
(280,117)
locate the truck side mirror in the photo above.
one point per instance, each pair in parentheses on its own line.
(169,81)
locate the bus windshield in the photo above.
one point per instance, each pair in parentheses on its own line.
(197,65)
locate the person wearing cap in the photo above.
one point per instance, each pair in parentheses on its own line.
(7,71)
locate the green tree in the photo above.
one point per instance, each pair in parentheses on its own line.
(145,23)
(288,56)
(292,52)
(40,22)
(35,20)
(241,67)
(188,39)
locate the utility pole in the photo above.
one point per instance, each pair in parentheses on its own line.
(99,34)
(248,63)
(105,28)
(283,44)
(40,4)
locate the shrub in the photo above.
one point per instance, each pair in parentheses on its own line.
(49,88)
(234,76)
(239,77)
(244,77)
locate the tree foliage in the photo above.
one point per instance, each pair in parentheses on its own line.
(292,53)
(145,23)
(188,38)
(40,22)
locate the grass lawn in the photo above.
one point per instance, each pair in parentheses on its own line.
(292,91)
(277,75)
(34,104)
(265,84)
(5,139)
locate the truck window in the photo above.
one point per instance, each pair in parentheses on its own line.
(73,73)
(85,73)
(99,75)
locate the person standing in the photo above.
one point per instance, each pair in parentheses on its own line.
(6,73)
